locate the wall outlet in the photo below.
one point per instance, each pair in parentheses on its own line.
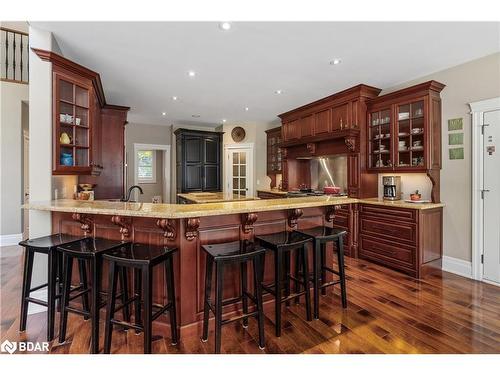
(258,182)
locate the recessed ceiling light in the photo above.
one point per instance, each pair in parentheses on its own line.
(246,109)
(279,92)
(223,120)
(196,116)
(174,97)
(164,113)
(225,26)
(191,73)
(335,62)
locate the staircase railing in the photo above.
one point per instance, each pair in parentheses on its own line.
(14,52)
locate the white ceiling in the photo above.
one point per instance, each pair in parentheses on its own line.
(144,64)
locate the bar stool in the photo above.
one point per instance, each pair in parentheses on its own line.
(45,245)
(222,255)
(320,236)
(142,259)
(90,251)
(282,244)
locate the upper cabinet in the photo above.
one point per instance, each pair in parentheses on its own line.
(274,161)
(73,120)
(78,110)
(335,114)
(404,129)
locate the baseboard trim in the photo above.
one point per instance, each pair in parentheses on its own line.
(10,239)
(457,266)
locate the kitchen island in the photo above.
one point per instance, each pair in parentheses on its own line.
(400,235)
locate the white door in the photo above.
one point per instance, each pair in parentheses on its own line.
(239,170)
(491,184)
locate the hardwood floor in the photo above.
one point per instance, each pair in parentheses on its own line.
(387,312)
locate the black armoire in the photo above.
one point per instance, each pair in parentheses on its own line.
(198,160)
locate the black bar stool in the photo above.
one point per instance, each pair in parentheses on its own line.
(282,243)
(320,236)
(141,258)
(89,251)
(222,255)
(44,245)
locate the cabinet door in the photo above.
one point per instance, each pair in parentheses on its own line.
(340,118)
(411,135)
(211,178)
(192,177)
(211,150)
(193,149)
(306,125)
(323,121)
(293,130)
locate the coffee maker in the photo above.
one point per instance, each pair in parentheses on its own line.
(392,187)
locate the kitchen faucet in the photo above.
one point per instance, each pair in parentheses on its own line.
(130,192)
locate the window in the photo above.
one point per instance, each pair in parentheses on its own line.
(146,166)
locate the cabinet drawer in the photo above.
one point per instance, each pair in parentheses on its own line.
(396,214)
(386,252)
(341,220)
(399,231)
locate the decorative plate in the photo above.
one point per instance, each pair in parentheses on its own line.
(238,134)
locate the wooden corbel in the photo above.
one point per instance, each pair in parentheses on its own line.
(350,142)
(330,213)
(125,223)
(293,216)
(311,147)
(86,222)
(192,225)
(247,221)
(168,228)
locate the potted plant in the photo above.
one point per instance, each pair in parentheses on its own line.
(416,196)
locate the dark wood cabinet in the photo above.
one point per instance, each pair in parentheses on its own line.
(198,163)
(404,129)
(274,157)
(88,137)
(409,240)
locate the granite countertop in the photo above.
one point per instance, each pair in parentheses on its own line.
(400,204)
(179,211)
(215,197)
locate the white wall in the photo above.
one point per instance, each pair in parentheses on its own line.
(40,153)
(12,96)
(470,82)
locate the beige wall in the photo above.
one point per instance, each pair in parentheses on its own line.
(469,82)
(12,96)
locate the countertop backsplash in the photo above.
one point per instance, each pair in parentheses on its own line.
(409,183)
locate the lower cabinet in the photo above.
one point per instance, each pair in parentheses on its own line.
(409,240)
(342,220)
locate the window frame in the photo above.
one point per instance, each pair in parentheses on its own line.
(141,180)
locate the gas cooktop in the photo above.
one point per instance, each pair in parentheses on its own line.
(310,192)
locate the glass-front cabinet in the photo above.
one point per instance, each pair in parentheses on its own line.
(410,135)
(404,130)
(380,139)
(72,125)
